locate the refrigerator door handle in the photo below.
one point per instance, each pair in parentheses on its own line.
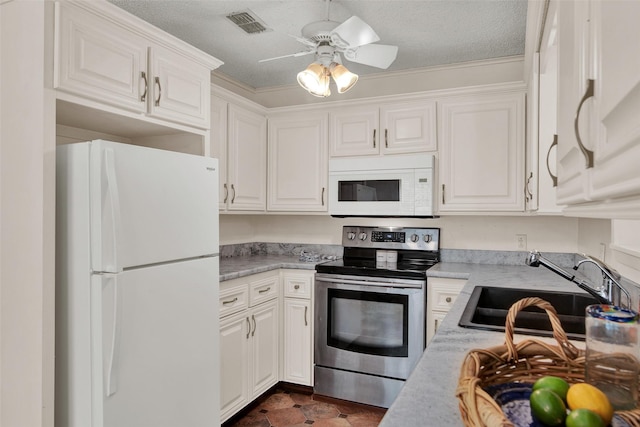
(111,371)
(114,201)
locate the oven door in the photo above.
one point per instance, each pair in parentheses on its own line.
(369,325)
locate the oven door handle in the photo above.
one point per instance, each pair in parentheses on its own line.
(414,284)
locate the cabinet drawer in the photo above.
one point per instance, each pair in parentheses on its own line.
(233,300)
(263,290)
(443,293)
(297,286)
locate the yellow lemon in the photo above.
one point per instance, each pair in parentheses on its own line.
(586,396)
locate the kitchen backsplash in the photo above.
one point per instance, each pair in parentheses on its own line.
(293,249)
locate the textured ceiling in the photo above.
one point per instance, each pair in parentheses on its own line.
(428,32)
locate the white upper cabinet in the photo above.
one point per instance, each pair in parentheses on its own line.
(246,159)
(482,152)
(403,127)
(105,56)
(219,146)
(617,99)
(542,179)
(298,162)
(598,107)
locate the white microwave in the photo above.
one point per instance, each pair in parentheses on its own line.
(391,186)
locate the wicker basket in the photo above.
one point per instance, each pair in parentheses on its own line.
(523,362)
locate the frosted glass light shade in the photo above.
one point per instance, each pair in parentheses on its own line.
(344,78)
(315,79)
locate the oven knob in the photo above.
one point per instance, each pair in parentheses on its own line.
(351,235)
(428,238)
(415,238)
(363,236)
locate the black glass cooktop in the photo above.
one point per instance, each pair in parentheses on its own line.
(362,262)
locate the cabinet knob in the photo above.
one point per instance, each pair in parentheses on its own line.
(448,299)
(296,287)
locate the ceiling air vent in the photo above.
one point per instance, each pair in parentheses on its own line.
(248,22)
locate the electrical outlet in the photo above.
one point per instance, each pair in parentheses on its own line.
(521,240)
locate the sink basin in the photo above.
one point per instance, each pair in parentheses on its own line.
(488,306)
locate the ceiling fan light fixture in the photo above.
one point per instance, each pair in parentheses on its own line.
(344,78)
(315,80)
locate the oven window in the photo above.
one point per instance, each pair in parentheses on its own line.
(379,190)
(368,322)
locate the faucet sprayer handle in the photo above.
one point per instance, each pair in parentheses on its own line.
(533,259)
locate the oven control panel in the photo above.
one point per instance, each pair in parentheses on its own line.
(392,238)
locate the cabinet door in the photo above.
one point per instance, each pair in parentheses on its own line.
(99,60)
(247,159)
(234,364)
(408,127)
(219,146)
(482,153)
(297,341)
(180,88)
(264,347)
(354,132)
(573,76)
(547,171)
(298,163)
(617,99)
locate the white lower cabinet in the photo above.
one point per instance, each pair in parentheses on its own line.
(298,327)
(441,294)
(249,340)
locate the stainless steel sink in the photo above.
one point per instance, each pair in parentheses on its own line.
(488,306)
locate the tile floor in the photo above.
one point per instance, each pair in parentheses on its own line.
(290,409)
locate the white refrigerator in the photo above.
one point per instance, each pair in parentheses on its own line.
(136,287)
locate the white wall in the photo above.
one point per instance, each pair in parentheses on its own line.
(27,186)
(547,234)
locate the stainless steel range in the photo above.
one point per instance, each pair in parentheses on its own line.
(370,312)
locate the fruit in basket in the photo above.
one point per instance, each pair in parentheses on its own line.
(555,384)
(547,407)
(583,418)
(586,396)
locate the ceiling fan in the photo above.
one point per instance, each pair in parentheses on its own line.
(327,40)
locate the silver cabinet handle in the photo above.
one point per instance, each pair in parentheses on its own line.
(296,286)
(588,154)
(233,198)
(374,138)
(157,80)
(448,299)
(143,76)
(386,138)
(253,317)
(554,178)
(435,325)
(230,301)
(306,308)
(528,195)
(443,194)
(322,197)
(262,291)
(248,327)
(226,193)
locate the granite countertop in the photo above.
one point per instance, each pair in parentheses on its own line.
(428,398)
(240,266)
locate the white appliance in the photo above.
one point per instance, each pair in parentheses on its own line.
(136,287)
(399,186)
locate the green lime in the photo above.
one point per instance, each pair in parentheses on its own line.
(555,384)
(583,418)
(547,407)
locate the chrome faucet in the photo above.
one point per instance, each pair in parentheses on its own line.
(609,292)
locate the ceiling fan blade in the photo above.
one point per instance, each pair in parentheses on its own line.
(352,33)
(376,55)
(303,40)
(306,52)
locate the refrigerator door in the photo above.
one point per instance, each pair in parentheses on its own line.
(150,206)
(155,346)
